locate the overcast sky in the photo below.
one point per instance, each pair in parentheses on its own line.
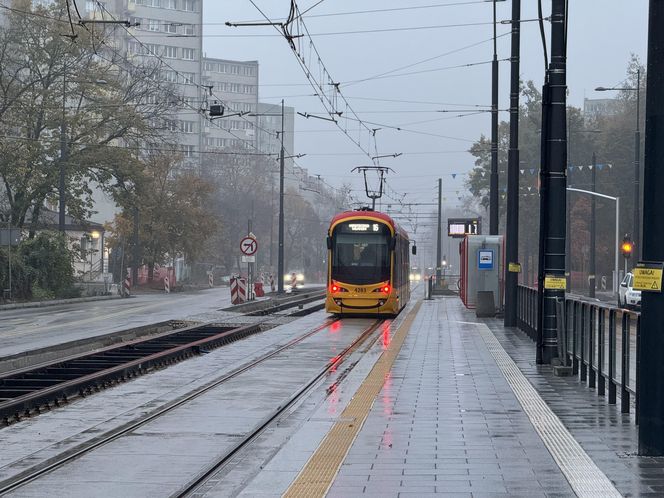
(602,35)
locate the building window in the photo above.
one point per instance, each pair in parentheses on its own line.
(171,27)
(235,69)
(189,5)
(188,54)
(170,4)
(187,126)
(189,30)
(188,150)
(170,76)
(187,78)
(171,52)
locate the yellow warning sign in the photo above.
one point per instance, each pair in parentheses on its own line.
(648,279)
(553,282)
(514,268)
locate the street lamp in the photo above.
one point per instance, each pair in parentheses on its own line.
(617,201)
(637,156)
(568,238)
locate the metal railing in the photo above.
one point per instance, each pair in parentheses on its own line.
(601,343)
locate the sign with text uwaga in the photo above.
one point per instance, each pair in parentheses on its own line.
(648,276)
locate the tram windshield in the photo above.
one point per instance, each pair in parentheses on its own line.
(360,252)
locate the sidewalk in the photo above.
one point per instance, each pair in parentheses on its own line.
(464,411)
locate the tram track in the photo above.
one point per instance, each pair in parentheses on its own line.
(30,391)
(35,472)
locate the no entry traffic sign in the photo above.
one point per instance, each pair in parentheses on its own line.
(248,246)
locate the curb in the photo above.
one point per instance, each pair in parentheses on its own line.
(56,302)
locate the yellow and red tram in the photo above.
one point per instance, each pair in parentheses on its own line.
(368,264)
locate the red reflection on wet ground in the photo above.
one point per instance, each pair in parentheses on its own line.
(333,401)
(387,336)
(335,327)
(386,395)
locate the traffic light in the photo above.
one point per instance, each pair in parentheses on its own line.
(627,246)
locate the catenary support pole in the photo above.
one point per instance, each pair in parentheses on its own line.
(493,187)
(552,250)
(637,171)
(592,280)
(64,156)
(439,241)
(650,409)
(280,254)
(512,224)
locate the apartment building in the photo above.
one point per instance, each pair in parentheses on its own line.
(169,31)
(234,84)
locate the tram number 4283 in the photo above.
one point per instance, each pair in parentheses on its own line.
(360,289)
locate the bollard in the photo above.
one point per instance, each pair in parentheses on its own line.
(167,285)
(126,287)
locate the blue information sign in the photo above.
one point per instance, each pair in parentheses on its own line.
(485,259)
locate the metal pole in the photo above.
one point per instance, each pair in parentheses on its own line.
(280,256)
(650,368)
(493,190)
(512,222)
(63,154)
(137,252)
(9,254)
(592,282)
(556,181)
(568,236)
(637,169)
(616,279)
(439,242)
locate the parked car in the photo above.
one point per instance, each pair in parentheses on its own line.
(627,296)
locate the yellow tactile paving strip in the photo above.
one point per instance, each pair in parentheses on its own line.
(321,469)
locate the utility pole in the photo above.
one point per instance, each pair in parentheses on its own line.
(512,224)
(493,187)
(650,368)
(439,242)
(280,255)
(553,193)
(592,281)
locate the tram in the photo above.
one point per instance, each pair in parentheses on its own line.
(368,264)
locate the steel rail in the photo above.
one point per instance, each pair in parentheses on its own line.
(57,461)
(222,460)
(51,384)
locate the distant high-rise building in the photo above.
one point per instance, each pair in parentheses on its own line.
(600,107)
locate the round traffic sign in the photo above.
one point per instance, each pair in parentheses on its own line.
(248,246)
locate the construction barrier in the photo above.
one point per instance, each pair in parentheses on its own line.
(167,285)
(238,290)
(258,289)
(293,281)
(272,283)
(126,287)
(210,280)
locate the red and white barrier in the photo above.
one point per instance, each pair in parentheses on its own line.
(293,281)
(210,280)
(126,287)
(167,285)
(272,283)
(238,290)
